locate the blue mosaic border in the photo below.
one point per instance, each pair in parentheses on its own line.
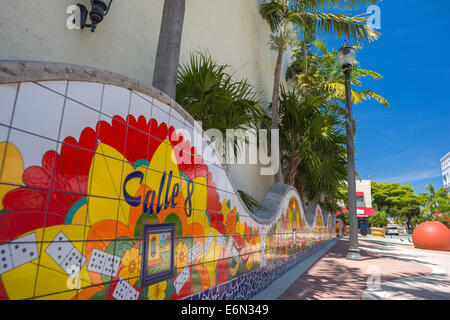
(249,285)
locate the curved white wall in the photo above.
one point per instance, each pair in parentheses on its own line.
(126,41)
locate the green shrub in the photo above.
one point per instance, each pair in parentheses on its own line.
(379,219)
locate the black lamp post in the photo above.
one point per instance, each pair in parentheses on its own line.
(346,56)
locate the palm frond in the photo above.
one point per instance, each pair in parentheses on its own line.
(272,12)
(337,25)
(337,4)
(251,203)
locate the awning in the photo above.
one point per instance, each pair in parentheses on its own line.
(365,212)
(344,209)
(360,194)
(360,212)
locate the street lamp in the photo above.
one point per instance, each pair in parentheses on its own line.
(100,8)
(346,56)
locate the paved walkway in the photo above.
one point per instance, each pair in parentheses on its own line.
(387,271)
(432,286)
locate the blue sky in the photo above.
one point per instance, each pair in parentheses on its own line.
(404,143)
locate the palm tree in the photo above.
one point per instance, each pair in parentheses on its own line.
(312,146)
(435,200)
(209,93)
(318,139)
(168,52)
(322,70)
(306,16)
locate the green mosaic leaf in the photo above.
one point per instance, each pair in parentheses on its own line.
(170,289)
(144,219)
(173,218)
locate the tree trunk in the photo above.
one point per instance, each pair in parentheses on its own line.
(353,250)
(275,100)
(168,52)
(293,163)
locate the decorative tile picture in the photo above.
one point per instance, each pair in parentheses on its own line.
(158,252)
(105,193)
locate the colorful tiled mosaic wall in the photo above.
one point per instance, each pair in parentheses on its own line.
(85,166)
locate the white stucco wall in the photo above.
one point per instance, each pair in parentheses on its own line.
(126,41)
(364,186)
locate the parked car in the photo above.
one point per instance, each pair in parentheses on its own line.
(392,230)
(403,231)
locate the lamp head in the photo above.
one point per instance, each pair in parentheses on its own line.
(346,55)
(99,9)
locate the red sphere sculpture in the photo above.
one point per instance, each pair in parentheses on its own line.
(431,235)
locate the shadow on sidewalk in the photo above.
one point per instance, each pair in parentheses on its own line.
(333,277)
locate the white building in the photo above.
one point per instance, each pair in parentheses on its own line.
(363,194)
(364,208)
(445,167)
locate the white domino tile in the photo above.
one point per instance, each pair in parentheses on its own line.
(196,251)
(103,263)
(221,240)
(111,265)
(96,261)
(23,250)
(6,263)
(182,278)
(125,291)
(208,243)
(59,248)
(73,262)
(121,290)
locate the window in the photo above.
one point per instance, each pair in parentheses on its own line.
(158,253)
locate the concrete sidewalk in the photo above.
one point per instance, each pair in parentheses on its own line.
(387,271)
(432,286)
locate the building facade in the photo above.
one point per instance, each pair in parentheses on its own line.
(364,208)
(445,167)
